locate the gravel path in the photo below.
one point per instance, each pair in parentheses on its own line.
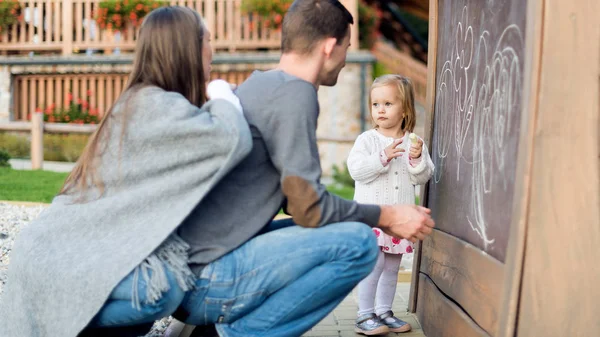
(12,219)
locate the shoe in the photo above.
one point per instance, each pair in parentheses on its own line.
(370,325)
(397,325)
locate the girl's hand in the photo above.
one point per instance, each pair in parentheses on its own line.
(392,152)
(415,149)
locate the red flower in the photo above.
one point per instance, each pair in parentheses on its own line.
(377,233)
(395,241)
(387,248)
(278,18)
(409,249)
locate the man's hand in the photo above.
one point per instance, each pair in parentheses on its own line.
(408,222)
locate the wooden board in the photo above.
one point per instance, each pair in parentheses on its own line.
(429,110)
(479,78)
(440,317)
(513,266)
(467,275)
(560,294)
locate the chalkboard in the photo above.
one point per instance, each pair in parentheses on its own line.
(478,99)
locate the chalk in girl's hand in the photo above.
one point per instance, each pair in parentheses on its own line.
(413,138)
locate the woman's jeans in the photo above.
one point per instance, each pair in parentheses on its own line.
(280,283)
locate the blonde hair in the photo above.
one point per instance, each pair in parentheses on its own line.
(406,94)
(164,57)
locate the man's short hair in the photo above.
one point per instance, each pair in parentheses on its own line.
(308,22)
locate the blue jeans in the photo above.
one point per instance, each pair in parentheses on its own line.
(280,283)
(119,311)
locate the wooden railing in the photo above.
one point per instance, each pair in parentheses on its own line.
(37,127)
(100,91)
(402,64)
(69,25)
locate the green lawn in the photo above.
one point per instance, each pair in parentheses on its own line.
(42,186)
(35,186)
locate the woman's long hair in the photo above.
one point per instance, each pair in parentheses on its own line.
(168,55)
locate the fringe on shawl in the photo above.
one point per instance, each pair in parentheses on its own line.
(171,254)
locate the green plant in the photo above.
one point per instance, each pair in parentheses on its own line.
(64,147)
(10,13)
(380,69)
(369,18)
(271,11)
(77,111)
(57,147)
(343,191)
(116,14)
(342,176)
(4,158)
(16,145)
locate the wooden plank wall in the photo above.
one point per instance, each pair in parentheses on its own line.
(560,294)
(550,278)
(440,317)
(465,274)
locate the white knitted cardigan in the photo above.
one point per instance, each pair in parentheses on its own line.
(390,184)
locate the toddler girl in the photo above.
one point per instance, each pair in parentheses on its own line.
(386,164)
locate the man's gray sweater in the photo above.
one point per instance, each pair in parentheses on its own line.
(283,169)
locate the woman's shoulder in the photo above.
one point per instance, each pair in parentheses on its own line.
(154,101)
(152,95)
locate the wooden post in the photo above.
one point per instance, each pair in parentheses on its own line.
(67,27)
(430,109)
(352,6)
(37,140)
(209,19)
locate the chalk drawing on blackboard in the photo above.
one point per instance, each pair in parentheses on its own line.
(478,93)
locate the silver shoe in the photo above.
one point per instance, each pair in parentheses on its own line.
(397,325)
(370,325)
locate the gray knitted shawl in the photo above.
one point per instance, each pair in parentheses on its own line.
(65,263)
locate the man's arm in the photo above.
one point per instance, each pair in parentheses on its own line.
(289,132)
